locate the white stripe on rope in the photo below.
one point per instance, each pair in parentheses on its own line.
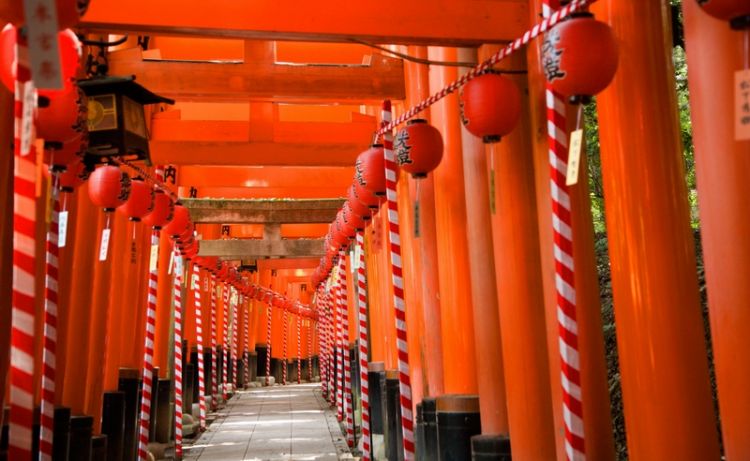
(50,330)
(177,293)
(363,349)
(407,420)
(564,268)
(349,410)
(199,347)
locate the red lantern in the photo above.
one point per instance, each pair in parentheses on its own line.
(64,117)
(357,206)
(163,210)
(737,12)
(579,57)
(70,56)
(180,221)
(73,176)
(188,233)
(351,218)
(109,187)
(418,148)
(68,153)
(140,202)
(345,227)
(338,238)
(369,170)
(365,196)
(490,106)
(69,12)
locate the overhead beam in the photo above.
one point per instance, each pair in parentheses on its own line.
(382,78)
(267,177)
(262,211)
(262,248)
(374,21)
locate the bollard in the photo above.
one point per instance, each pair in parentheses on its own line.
(394,436)
(99,448)
(81,427)
(457,421)
(129,383)
(61,434)
(429,416)
(113,424)
(490,448)
(164,415)
(375,375)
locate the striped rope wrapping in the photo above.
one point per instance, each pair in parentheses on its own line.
(339,354)
(299,350)
(348,408)
(224,334)
(363,349)
(564,268)
(214,362)
(285,335)
(332,350)
(309,351)
(235,334)
(322,342)
(246,355)
(50,330)
(540,28)
(22,313)
(404,380)
(148,359)
(269,317)
(199,347)
(177,293)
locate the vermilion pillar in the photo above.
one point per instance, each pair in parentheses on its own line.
(459,360)
(714,53)
(6,235)
(665,385)
(425,245)
(488,344)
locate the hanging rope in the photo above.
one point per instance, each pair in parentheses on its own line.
(363,348)
(177,293)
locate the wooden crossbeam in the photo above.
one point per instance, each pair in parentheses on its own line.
(262,248)
(262,211)
(375,21)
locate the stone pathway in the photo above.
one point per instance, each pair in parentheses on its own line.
(270,424)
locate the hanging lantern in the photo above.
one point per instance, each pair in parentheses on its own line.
(62,119)
(68,153)
(69,12)
(351,218)
(579,57)
(361,195)
(163,210)
(180,221)
(358,206)
(490,106)
(369,170)
(418,148)
(140,202)
(188,233)
(736,12)
(73,176)
(109,187)
(346,227)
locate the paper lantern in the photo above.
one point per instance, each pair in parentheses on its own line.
(418,148)
(163,210)
(369,170)
(737,12)
(63,118)
(60,156)
(490,106)
(352,218)
(579,57)
(140,202)
(180,221)
(74,175)
(109,187)
(359,195)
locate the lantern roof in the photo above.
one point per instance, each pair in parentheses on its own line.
(125,85)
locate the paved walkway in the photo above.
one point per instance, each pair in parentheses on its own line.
(276,423)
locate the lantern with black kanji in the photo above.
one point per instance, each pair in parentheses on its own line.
(490,106)
(163,210)
(359,196)
(180,221)
(579,57)
(351,217)
(116,121)
(109,187)
(74,175)
(736,12)
(369,171)
(140,202)
(60,157)
(418,148)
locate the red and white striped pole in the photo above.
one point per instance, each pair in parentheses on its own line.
(349,410)
(404,380)
(339,353)
(177,293)
(235,326)
(332,347)
(309,351)
(24,223)
(214,362)
(50,330)
(199,346)
(269,316)
(322,342)
(299,349)
(363,348)
(246,354)
(564,268)
(224,342)
(285,335)
(148,353)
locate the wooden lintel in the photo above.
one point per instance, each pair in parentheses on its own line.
(260,248)
(260,211)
